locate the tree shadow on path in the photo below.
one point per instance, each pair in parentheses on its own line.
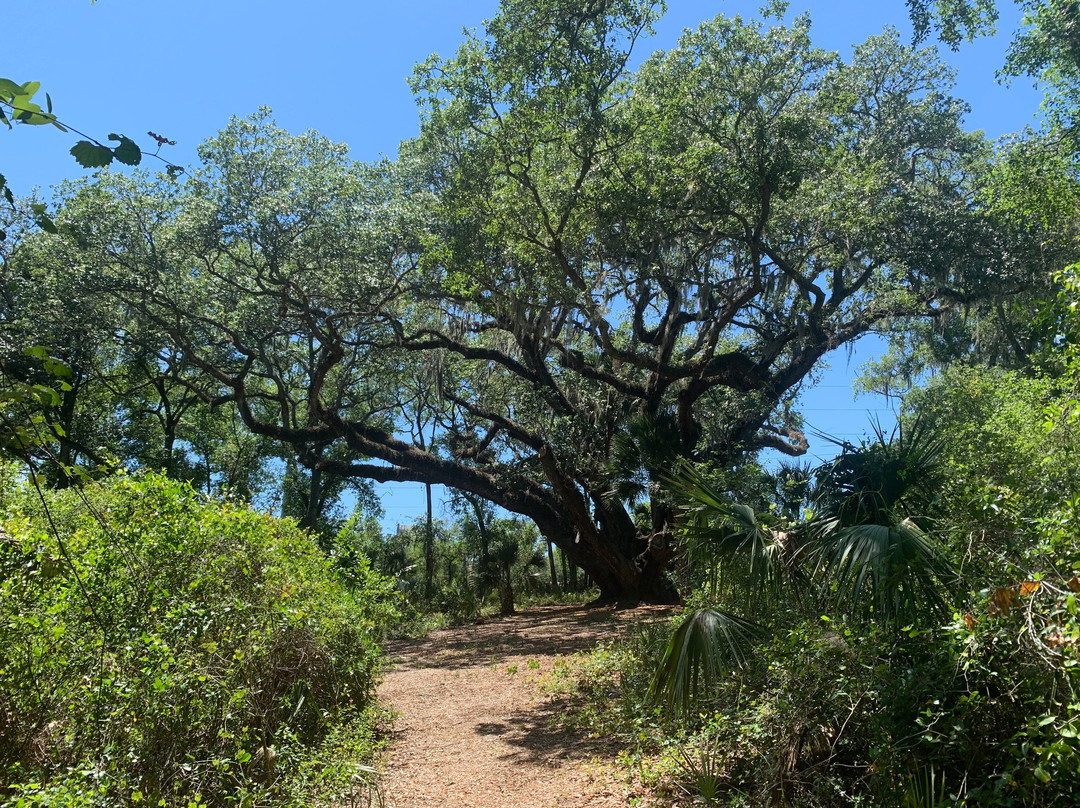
(543,631)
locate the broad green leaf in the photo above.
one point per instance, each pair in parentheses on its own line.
(56,367)
(44,396)
(9,89)
(127,152)
(44,221)
(91,155)
(24,108)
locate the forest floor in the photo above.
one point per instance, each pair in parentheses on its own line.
(474,727)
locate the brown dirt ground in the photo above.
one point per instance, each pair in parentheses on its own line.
(474,731)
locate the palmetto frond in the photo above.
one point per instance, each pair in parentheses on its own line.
(895,569)
(868,544)
(640,451)
(706,645)
(888,475)
(727,538)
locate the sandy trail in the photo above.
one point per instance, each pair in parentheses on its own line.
(475,730)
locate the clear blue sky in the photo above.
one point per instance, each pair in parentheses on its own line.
(181,69)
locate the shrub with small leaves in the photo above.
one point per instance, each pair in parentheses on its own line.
(156,643)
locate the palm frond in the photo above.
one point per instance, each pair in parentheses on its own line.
(706,644)
(896,569)
(727,537)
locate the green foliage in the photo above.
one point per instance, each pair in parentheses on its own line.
(909,707)
(17,105)
(1011,470)
(737,547)
(607,690)
(23,404)
(159,644)
(867,535)
(831,713)
(894,569)
(955,21)
(506,566)
(706,645)
(703,771)
(96,155)
(1045,48)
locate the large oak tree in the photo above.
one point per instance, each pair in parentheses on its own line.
(590,270)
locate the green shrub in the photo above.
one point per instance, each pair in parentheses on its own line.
(983,711)
(159,647)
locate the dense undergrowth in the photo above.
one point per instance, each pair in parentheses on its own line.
(843,700)
(160,648)
(828,713)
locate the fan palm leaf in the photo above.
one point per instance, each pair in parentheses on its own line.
(707,644)
(868,543)
(726,537)
(894,568)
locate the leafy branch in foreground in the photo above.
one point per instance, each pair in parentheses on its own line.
(18,107)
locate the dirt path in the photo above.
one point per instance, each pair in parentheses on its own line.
(475,730)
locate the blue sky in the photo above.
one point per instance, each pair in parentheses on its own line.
(182,69)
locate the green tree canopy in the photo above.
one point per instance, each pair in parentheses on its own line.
(568,248)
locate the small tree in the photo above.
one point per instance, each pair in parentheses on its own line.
(509,561)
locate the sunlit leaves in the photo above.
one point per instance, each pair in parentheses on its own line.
(17,105)
(894,569)
(956,21)
(42,218)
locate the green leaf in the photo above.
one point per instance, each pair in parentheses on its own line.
(29,88)
(707,643)
(57,367)
(127,152)
(91,155)
(9,89)
(25,109)
(44,221)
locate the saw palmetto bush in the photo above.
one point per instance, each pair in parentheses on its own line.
(743,556)
(868,542)
(861,677)
(863,552)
